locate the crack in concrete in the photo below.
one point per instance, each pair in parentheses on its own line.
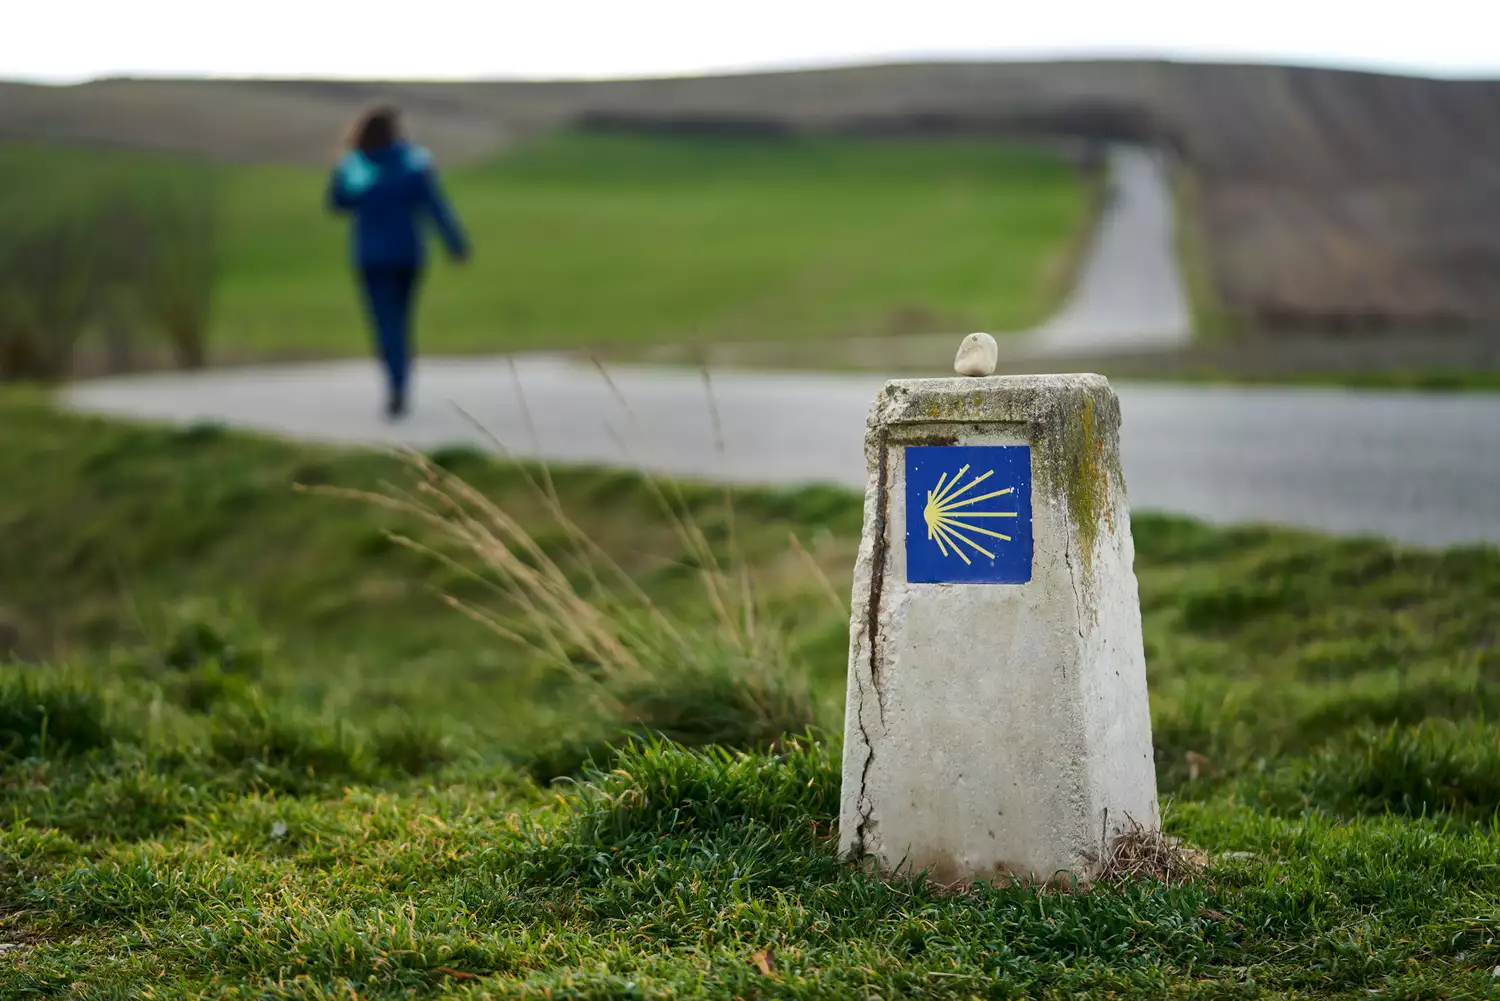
(1073,581)
(877,577)
(863,804)
(872,635)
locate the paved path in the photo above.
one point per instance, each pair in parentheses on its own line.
(1130,291)
(1424,468)
(1130,296)
(1421,468)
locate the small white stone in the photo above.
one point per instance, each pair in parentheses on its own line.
(977,355)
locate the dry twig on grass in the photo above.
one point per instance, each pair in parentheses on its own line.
(1141,853)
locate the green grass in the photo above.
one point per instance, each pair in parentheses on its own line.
(246,753)
(587,241)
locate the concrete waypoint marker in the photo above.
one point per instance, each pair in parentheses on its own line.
(996,723)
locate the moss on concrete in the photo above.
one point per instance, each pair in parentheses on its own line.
(1090,467)
(1072,422)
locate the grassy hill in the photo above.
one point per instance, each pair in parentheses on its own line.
(246,749)
(1324,200)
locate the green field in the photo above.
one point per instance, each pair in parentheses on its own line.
(594,241)
(585,240)
(247,752)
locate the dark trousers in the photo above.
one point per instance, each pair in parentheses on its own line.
(390,295)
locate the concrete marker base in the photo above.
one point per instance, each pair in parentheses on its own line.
(997,724)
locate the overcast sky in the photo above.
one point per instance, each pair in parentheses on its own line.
(69,40)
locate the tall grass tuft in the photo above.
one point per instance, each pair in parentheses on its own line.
(175,288)
(122,244)
(1436,768)
(44,716)
(632,667)
(50,268)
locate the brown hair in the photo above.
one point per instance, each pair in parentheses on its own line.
(379,125)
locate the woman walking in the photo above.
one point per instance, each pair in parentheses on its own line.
(390,185)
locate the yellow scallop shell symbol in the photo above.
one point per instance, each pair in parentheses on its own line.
(948,521)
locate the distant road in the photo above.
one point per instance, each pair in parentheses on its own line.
(1130,292)
(1423,468)
(1129,296)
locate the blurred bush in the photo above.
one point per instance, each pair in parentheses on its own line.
(49,282)
(121,247)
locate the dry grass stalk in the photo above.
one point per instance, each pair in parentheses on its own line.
(565,623)
(727,590)
(591,554)
(585,615)
(818,575)
(1142,853)
(736,557)
(608,619)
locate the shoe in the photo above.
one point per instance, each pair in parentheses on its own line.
(395,408)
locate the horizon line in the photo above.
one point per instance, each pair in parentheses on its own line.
(772,68)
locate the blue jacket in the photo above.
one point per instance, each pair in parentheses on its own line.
(388,190)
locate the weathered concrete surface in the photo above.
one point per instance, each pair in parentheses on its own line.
(999,730)
(1420,467)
